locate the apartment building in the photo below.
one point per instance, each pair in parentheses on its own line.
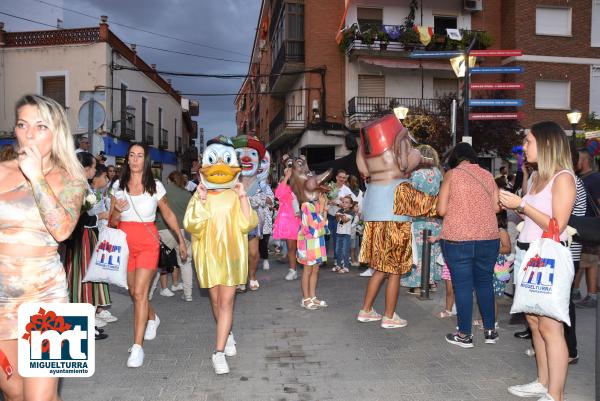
(293,98)
(102,81)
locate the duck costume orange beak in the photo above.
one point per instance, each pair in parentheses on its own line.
(220,168)
(220,173)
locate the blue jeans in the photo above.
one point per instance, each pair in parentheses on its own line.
(342,250)
(471,265)
(332,225)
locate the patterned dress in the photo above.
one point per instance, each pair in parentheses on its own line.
(311,237)
(428,181)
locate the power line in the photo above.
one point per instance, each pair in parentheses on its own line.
(102,87)
(138,45)
(219,76)
(27,19)
(144,30)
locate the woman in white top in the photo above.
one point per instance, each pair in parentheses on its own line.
(136,196)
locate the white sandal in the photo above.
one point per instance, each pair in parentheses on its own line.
(320,304)
(310,305)
(253,286)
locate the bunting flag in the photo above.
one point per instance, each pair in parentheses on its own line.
(425,33)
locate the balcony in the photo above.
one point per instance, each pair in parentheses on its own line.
(290,121)
(163,141)
(149,134)
(363,108)
(290,57)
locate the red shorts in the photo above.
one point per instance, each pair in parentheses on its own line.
(142,240)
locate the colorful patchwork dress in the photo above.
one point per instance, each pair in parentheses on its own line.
(311,237)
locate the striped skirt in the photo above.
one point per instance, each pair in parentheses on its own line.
(77,258)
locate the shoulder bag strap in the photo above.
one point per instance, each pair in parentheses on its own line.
(591,201)
(476,179)
(141,220)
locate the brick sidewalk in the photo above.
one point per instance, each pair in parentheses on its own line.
(288,353)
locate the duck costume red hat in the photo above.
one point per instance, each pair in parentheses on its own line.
(249,141)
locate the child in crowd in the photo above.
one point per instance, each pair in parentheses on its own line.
(345,217)
(355,235)
(450,306)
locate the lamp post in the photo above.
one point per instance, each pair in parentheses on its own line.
(461,69)
(574,116)
(401,112)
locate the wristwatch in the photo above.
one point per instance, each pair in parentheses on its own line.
(521,208)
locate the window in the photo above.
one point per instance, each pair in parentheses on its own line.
(595,90)
(144,117)
(553,21)
(553,95)
(371,85)
(369,17)
(440,23)
(54,87)
(596,23)
(444,86)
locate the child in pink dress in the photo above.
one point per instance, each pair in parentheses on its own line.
(287,222)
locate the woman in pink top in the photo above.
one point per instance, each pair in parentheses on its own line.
(468,201)
(551,194)
(287,221)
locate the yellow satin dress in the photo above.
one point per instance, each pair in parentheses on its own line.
(219,232)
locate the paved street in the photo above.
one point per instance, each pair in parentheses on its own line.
(287,353)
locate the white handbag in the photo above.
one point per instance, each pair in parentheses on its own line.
(108,263)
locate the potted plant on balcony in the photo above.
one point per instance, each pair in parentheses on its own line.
(384,40)
(349,34)
(409,39)
(369,35)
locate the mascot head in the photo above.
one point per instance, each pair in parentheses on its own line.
(305,184)
(264,168)
(220,168)
(250,152)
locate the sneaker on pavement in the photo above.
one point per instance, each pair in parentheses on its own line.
(178,287)
(100,322)
(367,273)
(547,397)
(106,316)
(165,292)
(99,336)
(291,275)
(533,389)
(220,363)
(394,322)
(464,341)
(151,328)
(586,303)
(344,270)
(230,348)
(355,264)
(266,265)
(136,356)
(254,285)
(491,336)
(371,316)
(529,352)
(187,298)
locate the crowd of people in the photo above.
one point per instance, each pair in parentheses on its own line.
(231,215)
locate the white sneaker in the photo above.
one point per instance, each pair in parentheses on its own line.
(533,389)
(178,287)
(165,292)
(355,264)
(106,316)
(100,322)
(291,275)
(230,348)
(266,265)
(367,273)
(136,356)
(187,298)
(151,328)
(548,397)
(220,363)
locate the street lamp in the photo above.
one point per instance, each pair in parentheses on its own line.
(401,112)
(461,69)
(574,116)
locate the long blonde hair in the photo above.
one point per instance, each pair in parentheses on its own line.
(553,151)
(431,153)
(63,147)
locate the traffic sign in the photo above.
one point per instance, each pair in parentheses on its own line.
(496,53)
(497,70)
(495,102)
(495,116)
(435,54)
(497,85)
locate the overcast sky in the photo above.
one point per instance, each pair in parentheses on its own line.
(224,24)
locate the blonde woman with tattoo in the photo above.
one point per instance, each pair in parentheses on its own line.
(41,193)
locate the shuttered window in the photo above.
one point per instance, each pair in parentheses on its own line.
(595,90)
(596,23)
(554,21)
(371,85)
(369,17)
(54,87)
(554,95)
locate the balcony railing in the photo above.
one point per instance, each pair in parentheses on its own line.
(149,134)
(291,118)
(363,107)
(290,50)
(164,139)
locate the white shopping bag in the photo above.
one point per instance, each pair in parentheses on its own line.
(543,281)
(108,263)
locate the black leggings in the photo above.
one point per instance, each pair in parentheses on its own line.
(570,336)
(263,246)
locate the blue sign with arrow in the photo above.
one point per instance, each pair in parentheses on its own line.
(435,54)
(497,70)
(496,102)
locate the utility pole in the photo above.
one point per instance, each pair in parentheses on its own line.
(466,88)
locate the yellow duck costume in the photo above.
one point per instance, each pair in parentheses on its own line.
(218,226)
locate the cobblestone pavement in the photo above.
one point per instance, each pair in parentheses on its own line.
(288,353)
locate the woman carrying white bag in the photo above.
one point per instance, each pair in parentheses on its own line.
(550,195)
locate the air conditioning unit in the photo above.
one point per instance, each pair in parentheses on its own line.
(261,44)
(263,87)
(473,5)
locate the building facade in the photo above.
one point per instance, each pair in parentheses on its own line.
(110,94)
